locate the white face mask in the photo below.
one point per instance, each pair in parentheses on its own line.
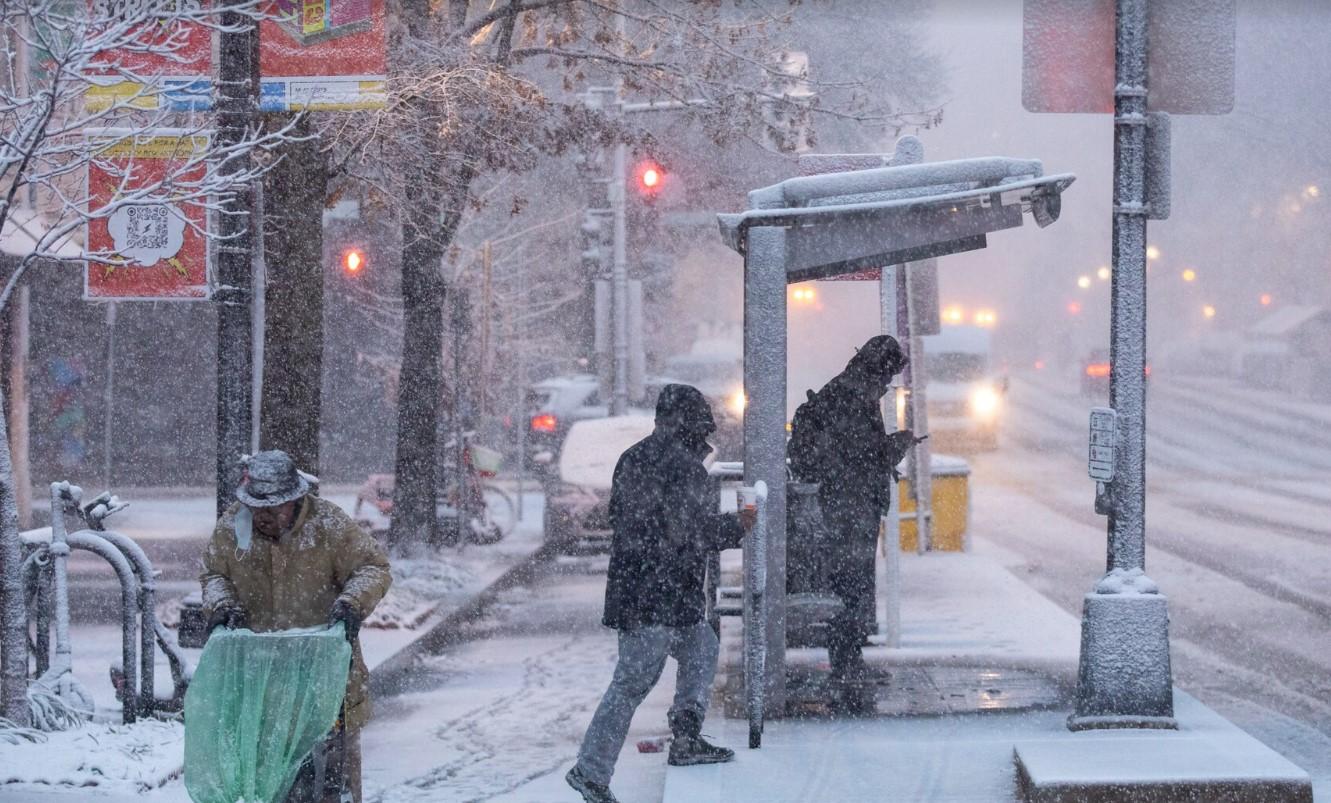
(244,524)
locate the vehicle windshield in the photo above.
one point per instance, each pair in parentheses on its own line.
(956,367)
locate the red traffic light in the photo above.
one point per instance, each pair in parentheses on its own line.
(353,260)
(650,175)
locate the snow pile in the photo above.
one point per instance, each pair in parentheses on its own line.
(419,585)
(1126,581)
(110,757)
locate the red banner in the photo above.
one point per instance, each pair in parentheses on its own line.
(151,249)
(322,54)
(169,66)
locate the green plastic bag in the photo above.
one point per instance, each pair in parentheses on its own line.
(257,704)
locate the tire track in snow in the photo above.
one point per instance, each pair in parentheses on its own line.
(1186,469)
(1295,684)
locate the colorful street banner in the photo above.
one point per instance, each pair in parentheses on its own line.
(148,250)
(322,55)
(169,68)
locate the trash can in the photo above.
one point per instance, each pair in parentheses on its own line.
(809,600)
(951,506)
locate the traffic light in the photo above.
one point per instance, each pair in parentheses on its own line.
(353,260)
(649,177)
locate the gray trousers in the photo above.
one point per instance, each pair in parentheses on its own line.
(642,656)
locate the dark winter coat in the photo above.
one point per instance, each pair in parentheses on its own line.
(663,512)
(849,453)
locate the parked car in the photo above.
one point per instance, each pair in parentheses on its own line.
(553,406)
(577,489)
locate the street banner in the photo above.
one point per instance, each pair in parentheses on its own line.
(152,249)
(322,55)
(168,67)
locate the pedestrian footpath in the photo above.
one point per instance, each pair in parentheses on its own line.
(109,763)
(985,672)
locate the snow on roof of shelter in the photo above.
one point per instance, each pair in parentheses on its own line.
(1285,320)
(24,229)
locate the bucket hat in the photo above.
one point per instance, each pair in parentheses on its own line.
(270,478)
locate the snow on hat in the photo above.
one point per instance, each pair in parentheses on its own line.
(270,479)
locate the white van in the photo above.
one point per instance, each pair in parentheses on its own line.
(964,390)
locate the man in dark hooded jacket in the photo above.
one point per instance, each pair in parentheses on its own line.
(840,442)
(664,515)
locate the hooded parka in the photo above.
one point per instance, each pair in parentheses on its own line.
(293,582)
(663,511)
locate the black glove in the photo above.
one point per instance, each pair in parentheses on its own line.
(232,617)
(346,613)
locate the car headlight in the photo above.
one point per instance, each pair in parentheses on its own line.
(984,402)
(736,402)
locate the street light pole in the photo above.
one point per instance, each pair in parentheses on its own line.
(238,85)
(1124,675)
(619,282)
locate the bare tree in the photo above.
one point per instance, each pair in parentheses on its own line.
(478,87)
(58,54)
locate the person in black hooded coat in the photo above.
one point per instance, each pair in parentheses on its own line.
(663,511)
(840,442)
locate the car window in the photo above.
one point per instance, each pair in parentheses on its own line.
(956,367)
(536,399)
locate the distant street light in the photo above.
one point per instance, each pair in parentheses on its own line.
(1103,273)
(1152,252)
(1084,282)
(1312,191)
(1189,275)
(803,295)
(1208,311)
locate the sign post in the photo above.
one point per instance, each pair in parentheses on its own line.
(1124,677)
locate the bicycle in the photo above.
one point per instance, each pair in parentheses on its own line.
(488,510)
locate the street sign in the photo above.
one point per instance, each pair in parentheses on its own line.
(154,249)
(167,65)
(1104,421)
(1068,56)
(322,55)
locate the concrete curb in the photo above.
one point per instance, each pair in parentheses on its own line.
(386,678)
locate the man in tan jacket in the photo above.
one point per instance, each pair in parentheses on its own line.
(283,558)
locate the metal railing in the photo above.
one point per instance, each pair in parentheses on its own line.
(46,576)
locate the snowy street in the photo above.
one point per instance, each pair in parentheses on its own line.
(1238,537)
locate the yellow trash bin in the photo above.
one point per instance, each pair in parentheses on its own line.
(951,505)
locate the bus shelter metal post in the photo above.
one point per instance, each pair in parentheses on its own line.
(765,430)
(755,620)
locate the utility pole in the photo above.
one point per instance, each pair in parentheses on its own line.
(237,103)
(1124,677)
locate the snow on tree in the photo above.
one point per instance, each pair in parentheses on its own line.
(71,66)
(481,88)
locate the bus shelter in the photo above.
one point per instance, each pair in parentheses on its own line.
(818,227)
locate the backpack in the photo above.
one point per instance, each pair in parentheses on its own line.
(805,448)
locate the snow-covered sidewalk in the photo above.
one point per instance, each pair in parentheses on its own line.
(986,666)
(109,762)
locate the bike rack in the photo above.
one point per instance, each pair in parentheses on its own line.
(45,572)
